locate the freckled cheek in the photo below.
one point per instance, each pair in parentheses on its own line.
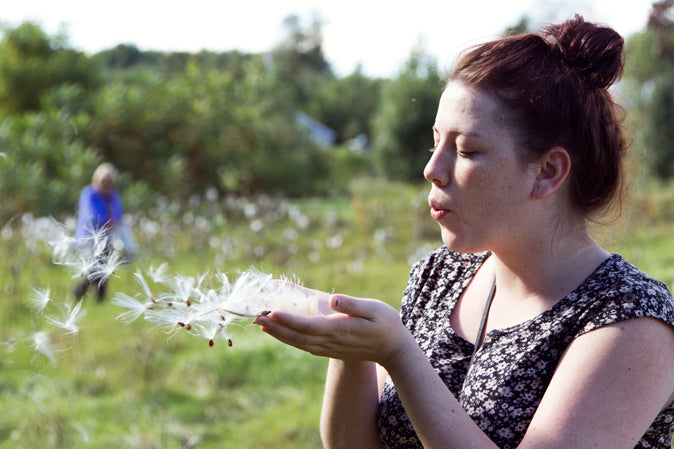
(490,194)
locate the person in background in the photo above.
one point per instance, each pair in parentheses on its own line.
(99,213)
(521,331)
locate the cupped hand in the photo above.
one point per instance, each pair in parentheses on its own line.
(358,329)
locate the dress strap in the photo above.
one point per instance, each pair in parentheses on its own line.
(480,331)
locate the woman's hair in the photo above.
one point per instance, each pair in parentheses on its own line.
(103,171)
(553,88)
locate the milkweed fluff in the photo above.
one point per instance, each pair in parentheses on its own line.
(206,306)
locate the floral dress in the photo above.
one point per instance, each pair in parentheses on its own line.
(503,386)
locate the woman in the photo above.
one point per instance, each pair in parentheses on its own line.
(521,331)
(99,212)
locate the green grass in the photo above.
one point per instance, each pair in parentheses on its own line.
(129,385)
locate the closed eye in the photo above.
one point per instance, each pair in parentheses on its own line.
(465,153)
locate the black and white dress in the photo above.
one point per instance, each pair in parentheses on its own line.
(503,387)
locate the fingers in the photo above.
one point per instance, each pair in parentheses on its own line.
(358,329)
(300,333)
(278,321)
(370,309)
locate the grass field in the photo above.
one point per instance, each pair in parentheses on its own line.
(114,385)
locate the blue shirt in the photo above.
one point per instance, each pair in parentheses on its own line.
(96,210)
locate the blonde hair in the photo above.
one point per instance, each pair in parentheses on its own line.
(105,171)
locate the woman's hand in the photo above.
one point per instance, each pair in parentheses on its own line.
(354,330)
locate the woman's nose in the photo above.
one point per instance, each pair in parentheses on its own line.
(437,168)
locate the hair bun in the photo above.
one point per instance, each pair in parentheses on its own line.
(595,52)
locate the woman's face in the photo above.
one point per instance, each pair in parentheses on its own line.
(105,186)
(480,187)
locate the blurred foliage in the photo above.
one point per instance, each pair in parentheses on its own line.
(404,121)
(649,89)
(32,63)
(347,105)
(178,124)
(45,163)
(205,128)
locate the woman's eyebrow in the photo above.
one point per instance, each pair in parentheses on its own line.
(460,133)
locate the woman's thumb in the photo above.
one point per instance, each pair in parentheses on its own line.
(364,308)
(343,304)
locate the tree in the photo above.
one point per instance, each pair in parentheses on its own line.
(45,162)
(404,121)
(32,63)
(521,27)
(181,133)
(649,89)
(346,105)
(122,56)
(299,58)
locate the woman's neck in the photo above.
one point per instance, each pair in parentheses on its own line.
(549,265)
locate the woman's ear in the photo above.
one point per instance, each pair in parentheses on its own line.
(554,167)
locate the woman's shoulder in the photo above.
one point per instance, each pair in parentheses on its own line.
(443,260)
(441,268)
(87,190)
(627,280)
(619,291)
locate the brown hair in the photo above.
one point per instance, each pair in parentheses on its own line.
(553,88)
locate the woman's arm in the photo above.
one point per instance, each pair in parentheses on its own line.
(608,388)
(349,414)
(369,330)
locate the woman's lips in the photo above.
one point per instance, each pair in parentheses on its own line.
(438,212)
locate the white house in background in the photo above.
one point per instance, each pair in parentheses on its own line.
(319,133)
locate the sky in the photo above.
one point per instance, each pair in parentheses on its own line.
(375,35)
